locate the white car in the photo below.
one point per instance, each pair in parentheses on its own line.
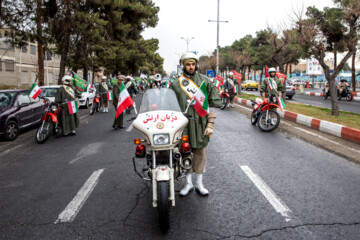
(50,91)
(87,96)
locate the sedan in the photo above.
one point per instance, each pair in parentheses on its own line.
(18,111)
(290,90)
(50,91)
(250,84)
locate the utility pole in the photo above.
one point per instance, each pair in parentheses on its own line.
(217,42)
(187,40)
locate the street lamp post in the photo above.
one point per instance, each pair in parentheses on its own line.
(187,40)
(217,42)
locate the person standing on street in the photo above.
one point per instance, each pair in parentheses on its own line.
(104,90)
(271,85)
(69,122)
(130,86)
(199,129)
(229,85)
(118,122)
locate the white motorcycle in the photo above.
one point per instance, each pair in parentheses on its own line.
(161,123)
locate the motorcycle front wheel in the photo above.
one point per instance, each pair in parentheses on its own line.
(93,107)
(254,117)
(225,102)
(267,125)
(43,132)
(349,97)
(163,205)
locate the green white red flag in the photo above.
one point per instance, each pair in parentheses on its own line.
(217,84)
(73,107)
(202,104)
(110,96)
(281,103)
(35,91)
(125,100)
(235,89)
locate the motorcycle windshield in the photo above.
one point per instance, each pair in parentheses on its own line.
(158,100)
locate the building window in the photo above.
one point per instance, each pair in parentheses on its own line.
(24,78)
(24,49)
(9,65)
(10,46)
(32,49)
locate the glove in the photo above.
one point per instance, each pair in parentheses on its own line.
(210,124)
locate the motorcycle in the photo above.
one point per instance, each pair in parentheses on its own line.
(96,104)
(49,120)
(265,114)
(326,94)
(161,123)
(225,98)
(346,93)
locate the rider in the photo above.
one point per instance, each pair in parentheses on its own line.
(198,129)
(104,90)
(272,85)
(326,86)
(342,85)
(229,87)
(157,81)
(69,122)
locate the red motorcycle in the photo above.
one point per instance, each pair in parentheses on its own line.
(265,114)
(225,98)
(49,120)
(96,104)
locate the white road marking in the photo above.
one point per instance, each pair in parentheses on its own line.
(129,128)
(319,136)
(273,199)
(87,151)
(246,108)
(72,209)
(83,117)
(11,149)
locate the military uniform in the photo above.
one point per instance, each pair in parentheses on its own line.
(229,85)
(278,86)
(69,122)
(196,127)
(118,122)
(104,89)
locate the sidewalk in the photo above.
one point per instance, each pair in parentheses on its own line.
(338,130)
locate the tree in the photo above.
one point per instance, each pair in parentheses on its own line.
(316,40)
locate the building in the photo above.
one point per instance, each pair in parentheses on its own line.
(18,67)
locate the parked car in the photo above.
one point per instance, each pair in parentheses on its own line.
(50,91)
(87,96)
(18,111)
(290,90)
(299,82)
(250,84)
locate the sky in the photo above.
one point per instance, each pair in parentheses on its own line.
(189,18)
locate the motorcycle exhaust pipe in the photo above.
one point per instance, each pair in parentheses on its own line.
(187,162)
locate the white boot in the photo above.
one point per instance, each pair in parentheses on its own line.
(188,186)
(107,110)
(104,110)
(231,105)
(199,186)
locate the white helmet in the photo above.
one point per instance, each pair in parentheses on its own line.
(186,56)
(66,79)
(271,70)
(103,77)
(157,77)
(231,74)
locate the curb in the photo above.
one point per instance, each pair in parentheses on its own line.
(355,94)
(338,130)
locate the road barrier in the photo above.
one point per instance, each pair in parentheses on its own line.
(355,94)
(335,129)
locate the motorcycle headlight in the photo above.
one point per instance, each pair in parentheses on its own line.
(53,108)
(161,139)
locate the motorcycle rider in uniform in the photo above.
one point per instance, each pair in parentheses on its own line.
(69,122)
(229,86)
(278,87)
(104,89)
(157,81)
(198,129)
(327,88)
(118,122)
(342,85)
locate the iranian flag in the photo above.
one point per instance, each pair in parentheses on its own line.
(167,84)
(34,91)
(217,84)
(73,107)
(281,103)
(201,105)
(235,89)
(110,96)
(125,100)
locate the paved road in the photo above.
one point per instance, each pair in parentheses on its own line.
(303,193)
(353,106)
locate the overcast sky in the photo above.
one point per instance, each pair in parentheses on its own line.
(189,18)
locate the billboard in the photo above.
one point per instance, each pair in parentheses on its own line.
(313,67)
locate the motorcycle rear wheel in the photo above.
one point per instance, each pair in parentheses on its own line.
(225,102)
(273,121)
(43,132)
(325,95)
(254,117)
(163,205)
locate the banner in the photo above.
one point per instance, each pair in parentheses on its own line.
(79,83)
